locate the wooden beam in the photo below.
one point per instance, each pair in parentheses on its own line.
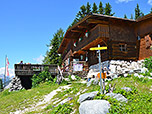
(70,38)
(82,26)
(76,31)
(97,21)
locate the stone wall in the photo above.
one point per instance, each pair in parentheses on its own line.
(115,68)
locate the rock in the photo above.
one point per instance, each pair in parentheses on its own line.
(149,77)
(124,65)
(112,62)
(87,96)
(118,97)
(131,71)
(143,70)
(134,65)
(140,76)
(66,79)
(92,81)
(119,68)
(92,72)
(112,68)
(95,81)
(94,107)
(136,75)
(73,77)
(127,89)
(128,64)
(115,76)
(137,70)
(15,84)
(125,71)
(125,75)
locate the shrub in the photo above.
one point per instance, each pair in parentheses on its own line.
(148,63)
(77,77)
(70,77)
(42,77)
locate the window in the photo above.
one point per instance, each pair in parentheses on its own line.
(123,47)
(81,57)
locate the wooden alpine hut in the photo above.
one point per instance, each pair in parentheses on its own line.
(126,39)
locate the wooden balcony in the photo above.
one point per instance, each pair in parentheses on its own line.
(99,31)
(31,69)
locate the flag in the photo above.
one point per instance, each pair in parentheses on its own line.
(7,63)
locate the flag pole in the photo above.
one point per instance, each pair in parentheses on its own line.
(5,72)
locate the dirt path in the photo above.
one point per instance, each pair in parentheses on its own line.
(42,104)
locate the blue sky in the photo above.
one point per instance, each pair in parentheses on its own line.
(26,26)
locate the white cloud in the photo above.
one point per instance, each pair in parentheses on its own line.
(39,59)
(11,71)
(118,1)
(150,2)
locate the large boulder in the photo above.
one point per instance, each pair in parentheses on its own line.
(94,107)
(87,96)
(118,97)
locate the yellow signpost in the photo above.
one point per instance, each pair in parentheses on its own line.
(98,48)
(101,71)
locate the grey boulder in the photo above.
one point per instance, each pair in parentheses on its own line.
(118,97)
(94,107)
(87,96)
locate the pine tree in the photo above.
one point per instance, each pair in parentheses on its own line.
(52,57)
(82,13)
(108,10)
(151,10)
(125,16)
(94,8)
(131,17)
(137,12)
(88,8)
(101,8)
(142,14)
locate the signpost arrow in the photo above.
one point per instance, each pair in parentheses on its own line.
(101,71)
(98,48)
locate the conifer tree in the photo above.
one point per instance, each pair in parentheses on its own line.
(52,57)
(125,16)
(138,13)
(151,10)
(131,17)
(94,8)
(88,8)
(82,13)
(101,8)
(108,10)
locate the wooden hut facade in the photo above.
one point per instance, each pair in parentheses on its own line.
(126,39)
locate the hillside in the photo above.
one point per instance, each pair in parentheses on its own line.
(53,98)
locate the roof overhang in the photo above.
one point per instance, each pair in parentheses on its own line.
(88,22)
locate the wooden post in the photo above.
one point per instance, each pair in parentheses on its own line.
(101,71)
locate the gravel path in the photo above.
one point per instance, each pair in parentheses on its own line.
(42,104)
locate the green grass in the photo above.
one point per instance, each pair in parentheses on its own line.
(12,101)
(139,99)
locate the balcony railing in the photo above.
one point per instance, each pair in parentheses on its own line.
(99,31)
(31,69)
